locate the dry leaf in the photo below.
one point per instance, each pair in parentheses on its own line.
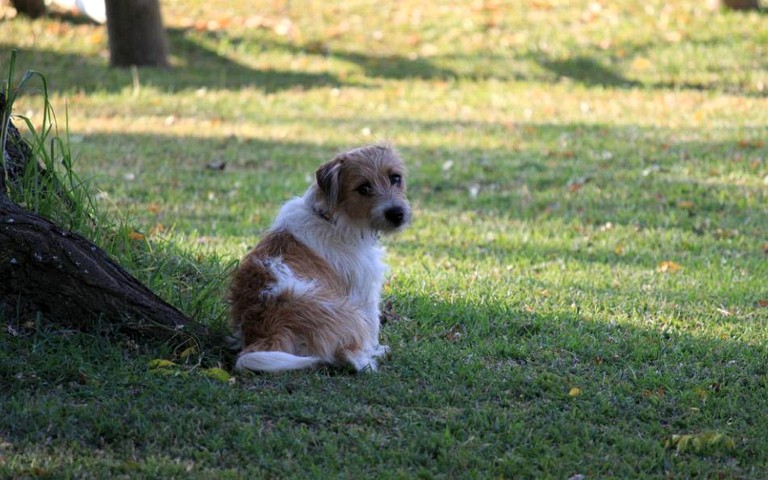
(134,235)
(658,393)
(751,143)
(158,228)
(574,392)
(687,204)
(761,303)
(576,184)
(641,63)
(668,267)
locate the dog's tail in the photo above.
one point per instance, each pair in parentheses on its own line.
(274,361)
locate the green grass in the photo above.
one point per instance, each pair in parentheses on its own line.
(590,196)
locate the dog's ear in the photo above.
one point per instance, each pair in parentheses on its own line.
(327,177)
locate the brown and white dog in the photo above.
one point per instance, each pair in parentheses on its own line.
(308,294)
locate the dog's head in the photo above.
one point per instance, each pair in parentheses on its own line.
(365,188)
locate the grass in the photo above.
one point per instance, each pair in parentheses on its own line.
(585,277)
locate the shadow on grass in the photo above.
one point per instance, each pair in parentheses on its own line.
(199,67)
(459,372)
(588,71)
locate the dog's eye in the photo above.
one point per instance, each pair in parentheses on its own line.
(396,179)
(365,190)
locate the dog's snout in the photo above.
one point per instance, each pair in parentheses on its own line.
(395,215)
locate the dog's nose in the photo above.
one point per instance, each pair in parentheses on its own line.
(395,215)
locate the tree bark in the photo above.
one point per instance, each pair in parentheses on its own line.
(47,270)
(72,282)
(136,34)
(30,8)
(735,4)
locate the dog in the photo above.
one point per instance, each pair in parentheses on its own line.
(308,294)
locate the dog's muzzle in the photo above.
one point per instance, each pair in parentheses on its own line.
(396,216)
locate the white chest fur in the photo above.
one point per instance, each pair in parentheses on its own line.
(355,255)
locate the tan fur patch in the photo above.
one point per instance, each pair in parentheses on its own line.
(320,324)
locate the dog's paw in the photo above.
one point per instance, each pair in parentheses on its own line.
(381,351)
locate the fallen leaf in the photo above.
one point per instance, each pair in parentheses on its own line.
(576,184)
(761,303)
(134,235)
(189,351)
(641,64)
(668,267)
(216,165)
(216,374)
(658,393)
(700,443)
(158,228)
(687,204)
(574,392)
(161,363)
(751,143)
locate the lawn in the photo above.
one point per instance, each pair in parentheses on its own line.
(583,292)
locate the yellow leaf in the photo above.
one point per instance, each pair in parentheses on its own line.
(641,64)
(161,363)
(700,443)
(158,228)
(669,267)
(189,351)
(687,204)
(216,374)
(134,235)
(574,392)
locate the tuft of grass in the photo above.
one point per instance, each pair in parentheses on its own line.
(582,288)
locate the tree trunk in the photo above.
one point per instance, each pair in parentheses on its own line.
(74,283)
(136,34)
(735,4)
(30,8)
(69,280)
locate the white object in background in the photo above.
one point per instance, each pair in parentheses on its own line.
(93,9)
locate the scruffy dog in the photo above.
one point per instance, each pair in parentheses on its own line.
(309,293)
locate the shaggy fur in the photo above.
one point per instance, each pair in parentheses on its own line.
(309,293)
